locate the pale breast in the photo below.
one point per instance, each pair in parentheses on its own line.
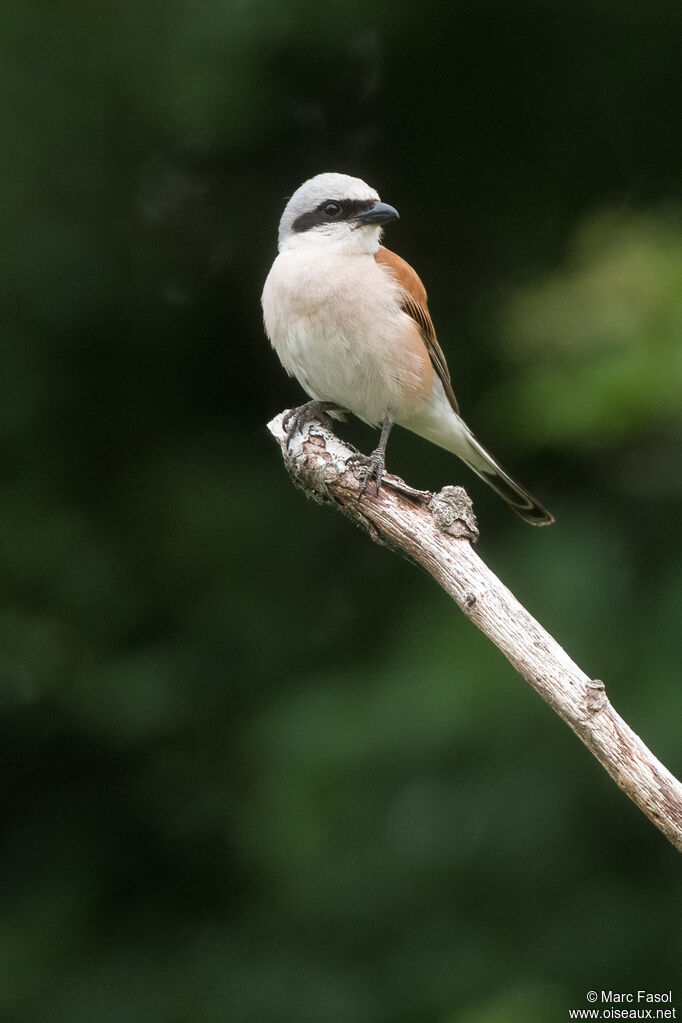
(337,325)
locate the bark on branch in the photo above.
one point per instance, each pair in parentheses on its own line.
(436,530)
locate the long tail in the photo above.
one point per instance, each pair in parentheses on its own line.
(516,496)
(449,431)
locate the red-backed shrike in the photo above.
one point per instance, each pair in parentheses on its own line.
(349,319)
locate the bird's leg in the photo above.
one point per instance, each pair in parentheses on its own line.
(296,418)
(375,463)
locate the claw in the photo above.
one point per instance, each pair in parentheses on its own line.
(298,417)
(374,466)
(376,462)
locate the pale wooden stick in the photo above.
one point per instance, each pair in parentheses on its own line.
(436,531)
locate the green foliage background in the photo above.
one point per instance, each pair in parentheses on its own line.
(254,768)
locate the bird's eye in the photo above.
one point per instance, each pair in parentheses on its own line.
(332,209)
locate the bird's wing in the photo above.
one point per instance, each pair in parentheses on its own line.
(414,303)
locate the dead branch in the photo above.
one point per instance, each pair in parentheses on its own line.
(436,530)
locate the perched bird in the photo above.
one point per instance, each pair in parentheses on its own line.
(349,319)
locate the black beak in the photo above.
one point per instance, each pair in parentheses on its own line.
(380,213)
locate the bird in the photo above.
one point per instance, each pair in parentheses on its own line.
(349,319)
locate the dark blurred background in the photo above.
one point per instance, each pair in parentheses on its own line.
(254,768)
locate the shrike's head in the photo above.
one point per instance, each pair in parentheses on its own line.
(341,213)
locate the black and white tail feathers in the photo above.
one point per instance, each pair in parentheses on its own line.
(443,426)
(491,472)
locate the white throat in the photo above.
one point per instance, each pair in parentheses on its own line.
(344,239)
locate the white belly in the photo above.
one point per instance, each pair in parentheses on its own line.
(337,326)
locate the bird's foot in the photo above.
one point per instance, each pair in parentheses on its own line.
(373,467)
(296,418)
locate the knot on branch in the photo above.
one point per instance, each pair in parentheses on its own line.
(596,696)
(454,513)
